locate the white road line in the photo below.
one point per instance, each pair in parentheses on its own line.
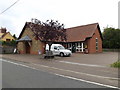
(76,72)
(89,65)
(18,64)
(109,86)
(87,81)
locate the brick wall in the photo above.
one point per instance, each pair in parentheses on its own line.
(35,44)
(92,43)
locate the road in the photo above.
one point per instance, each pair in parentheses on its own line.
(20,76)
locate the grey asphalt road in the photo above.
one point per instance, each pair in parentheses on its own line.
(15,76)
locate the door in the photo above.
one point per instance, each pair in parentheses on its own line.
(56,50)
(27,48)
(73,48)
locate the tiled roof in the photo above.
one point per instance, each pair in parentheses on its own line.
(4,35)
(25,38)
(80,33)
(1,34)
(74,34)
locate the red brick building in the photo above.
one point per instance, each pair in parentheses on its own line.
(81,38)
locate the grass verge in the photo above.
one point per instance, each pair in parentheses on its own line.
(116,64)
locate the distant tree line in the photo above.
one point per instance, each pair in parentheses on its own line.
(111,38)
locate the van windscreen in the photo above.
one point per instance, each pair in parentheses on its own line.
(61,47)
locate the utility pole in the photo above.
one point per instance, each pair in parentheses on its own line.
(119,27)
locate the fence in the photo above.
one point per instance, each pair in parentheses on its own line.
(6,49)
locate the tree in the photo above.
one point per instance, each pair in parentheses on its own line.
(14,36)
(49,31)
(111,38)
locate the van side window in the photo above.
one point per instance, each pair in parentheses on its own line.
(55,47)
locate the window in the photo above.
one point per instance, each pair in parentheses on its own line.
(96,43)
(60,47)
(7,40)
(55,47)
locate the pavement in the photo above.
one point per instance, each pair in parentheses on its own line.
(91,67)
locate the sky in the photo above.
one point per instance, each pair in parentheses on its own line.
(69,12)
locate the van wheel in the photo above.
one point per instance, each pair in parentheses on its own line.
(61,54)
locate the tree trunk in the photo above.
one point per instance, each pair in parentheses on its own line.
(49,47)
(49,54)
(50,44)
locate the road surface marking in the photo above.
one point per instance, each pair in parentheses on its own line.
(89,65)
(86,81)
(76,72)
(18,64)
(109,86)
(63,70)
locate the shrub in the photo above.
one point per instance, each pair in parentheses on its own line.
(116,64)
(10,43)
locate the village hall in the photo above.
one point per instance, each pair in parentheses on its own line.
(85,37)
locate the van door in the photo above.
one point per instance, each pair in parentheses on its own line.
(55,51)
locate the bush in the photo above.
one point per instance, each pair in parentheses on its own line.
(116,64)
(10,43)
(111,38)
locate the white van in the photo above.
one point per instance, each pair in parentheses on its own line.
(58,49)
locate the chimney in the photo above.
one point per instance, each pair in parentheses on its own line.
(3,30)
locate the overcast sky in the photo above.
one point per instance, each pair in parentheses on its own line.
(69,12)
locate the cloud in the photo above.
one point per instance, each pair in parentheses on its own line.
(70,12)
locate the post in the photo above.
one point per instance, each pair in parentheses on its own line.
(1,66)
(82,46)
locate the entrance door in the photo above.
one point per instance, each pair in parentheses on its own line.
(73,48)
(27,48)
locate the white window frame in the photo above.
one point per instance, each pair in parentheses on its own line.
(96,42)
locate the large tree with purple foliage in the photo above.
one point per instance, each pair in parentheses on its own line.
(50,31)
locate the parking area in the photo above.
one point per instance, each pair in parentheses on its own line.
(104,59)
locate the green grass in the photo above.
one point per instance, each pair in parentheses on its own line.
(116,64)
